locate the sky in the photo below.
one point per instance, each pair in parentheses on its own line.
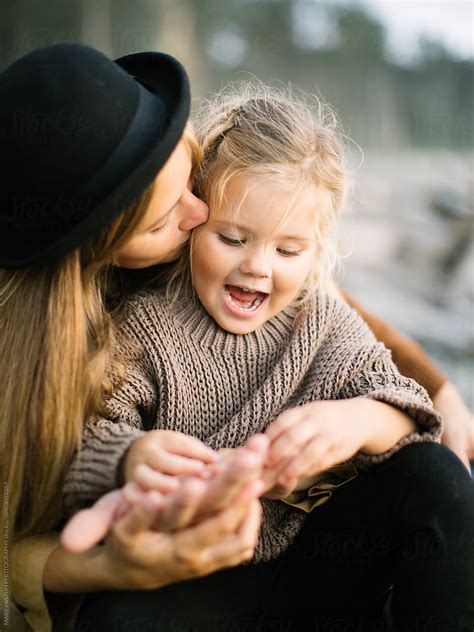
(451,21)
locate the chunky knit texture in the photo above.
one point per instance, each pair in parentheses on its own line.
(221,388)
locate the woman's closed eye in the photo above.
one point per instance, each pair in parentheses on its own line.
(160,228)
(231,241)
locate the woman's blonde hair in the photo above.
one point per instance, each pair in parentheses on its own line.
(57,362)
(278,134)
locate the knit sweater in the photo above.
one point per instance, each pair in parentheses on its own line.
(221,387)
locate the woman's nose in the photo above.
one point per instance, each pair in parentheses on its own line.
(195,212)
(255,263)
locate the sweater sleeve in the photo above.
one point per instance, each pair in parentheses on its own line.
(93,471)
(407,355)
(364,367)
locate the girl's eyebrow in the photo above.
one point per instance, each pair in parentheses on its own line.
(245,229)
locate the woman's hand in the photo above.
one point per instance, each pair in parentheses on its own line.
(458,432)
(139,558)
(135,556)
(157,457)
(192,500)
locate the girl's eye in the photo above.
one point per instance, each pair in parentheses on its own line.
(288,253)
(230,241)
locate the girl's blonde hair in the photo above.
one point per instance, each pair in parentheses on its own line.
(57,362)
(278,134)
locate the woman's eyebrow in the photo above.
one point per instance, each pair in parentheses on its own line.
(246,229)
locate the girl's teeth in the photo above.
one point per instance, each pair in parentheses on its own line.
(247,307)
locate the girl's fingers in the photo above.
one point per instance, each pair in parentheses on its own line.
(291,441)
(231,475)
(150,478)
(169,463)
(180,443)
(284,486)
(192,448)
(314,457)
(258,443)
(281,423)
(89,526)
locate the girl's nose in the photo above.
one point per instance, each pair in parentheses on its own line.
(195,212)
(255,263)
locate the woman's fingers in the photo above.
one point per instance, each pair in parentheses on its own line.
(212,530)
(141,516)
(239,546)
(89,526)
(180,507)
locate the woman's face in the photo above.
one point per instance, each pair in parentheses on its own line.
(172,213)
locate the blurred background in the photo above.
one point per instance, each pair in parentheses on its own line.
(399,75)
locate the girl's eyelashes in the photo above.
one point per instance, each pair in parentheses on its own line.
(231,241)
(288,253)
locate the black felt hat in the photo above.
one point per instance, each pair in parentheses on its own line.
(81,137)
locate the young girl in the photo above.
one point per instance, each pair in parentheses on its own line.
(264,349)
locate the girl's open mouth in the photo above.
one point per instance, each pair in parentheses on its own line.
(243,302)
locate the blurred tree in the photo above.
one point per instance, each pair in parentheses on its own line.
(361,36)
(334,49)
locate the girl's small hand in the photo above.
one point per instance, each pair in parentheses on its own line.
(311,439)
(157,457)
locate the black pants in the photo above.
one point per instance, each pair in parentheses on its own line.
(393,550)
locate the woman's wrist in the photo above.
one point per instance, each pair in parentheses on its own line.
(67,572)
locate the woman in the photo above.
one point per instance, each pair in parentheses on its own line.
(82,144)
(60,262)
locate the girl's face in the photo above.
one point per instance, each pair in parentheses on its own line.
(172,213)
(247,269)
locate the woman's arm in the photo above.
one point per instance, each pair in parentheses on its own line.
(408,356)
(136,557)
(458,423)
(27,561)
(133,556)
(413,362)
